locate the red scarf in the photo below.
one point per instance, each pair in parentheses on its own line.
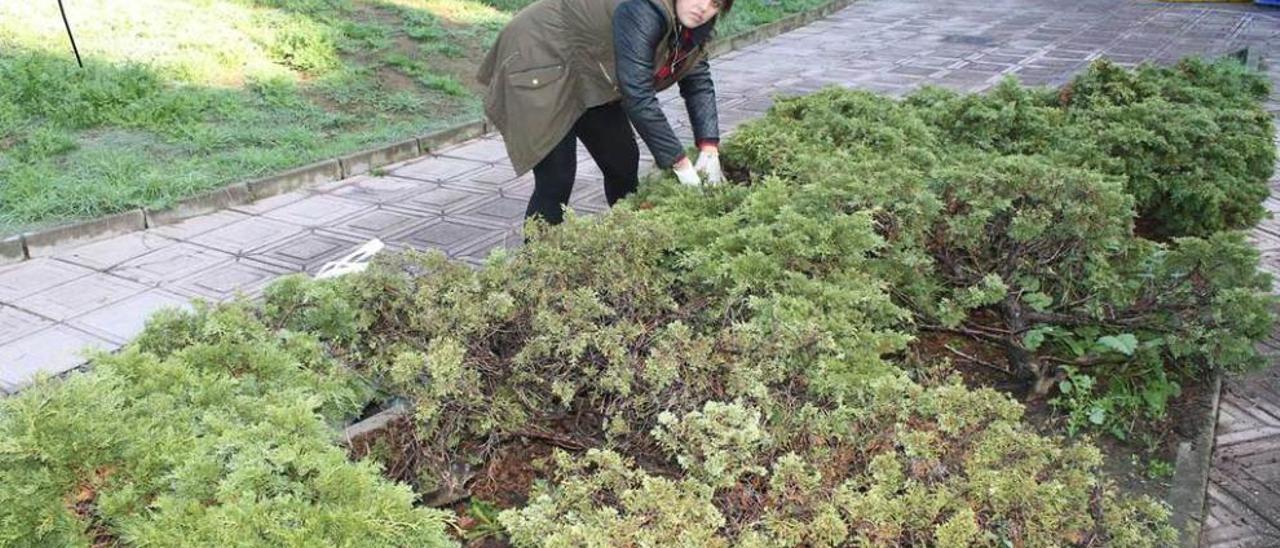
(679,54)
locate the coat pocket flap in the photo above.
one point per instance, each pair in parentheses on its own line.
(536,77)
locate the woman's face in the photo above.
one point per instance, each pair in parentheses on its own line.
(693,13)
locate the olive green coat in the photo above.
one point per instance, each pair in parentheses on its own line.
(550,64)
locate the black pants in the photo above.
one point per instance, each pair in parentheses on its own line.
(606,132)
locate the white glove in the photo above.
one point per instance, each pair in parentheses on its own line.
(709,165)
(687,175)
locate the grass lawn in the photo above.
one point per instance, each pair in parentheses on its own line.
(181,96)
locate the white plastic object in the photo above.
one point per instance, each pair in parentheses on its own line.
(356,261)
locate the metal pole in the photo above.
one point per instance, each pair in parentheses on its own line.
(69,35)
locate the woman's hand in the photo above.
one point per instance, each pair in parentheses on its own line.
(709,164)
(686,173)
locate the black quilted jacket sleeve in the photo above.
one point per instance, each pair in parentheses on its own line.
(637,28)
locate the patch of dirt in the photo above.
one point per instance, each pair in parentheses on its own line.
(502,482)
(82,501)
(506,479)
(394,80)
(471,42)
(397,448)
(978,364)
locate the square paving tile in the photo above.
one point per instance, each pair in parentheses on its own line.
(373,190)
(489,179)
(198,225)
(307,251)
(520,188)
(500,209)
(247,235)
(438,169)
(272,202)
(244,277)
(53,351)
(449,235)
(587,190)
(107,253)
(317,210)
(589,173)
(440,200)
(79,296)
(379,223)
(123,320)
(480,150)
(31,277)
(915,71)
(15,323)
(170,263)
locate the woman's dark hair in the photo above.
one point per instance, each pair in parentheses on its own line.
(725,6)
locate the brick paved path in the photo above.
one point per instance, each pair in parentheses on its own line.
(466,201)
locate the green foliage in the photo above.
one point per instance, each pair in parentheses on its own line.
(578,320)
(1008,220)
(648,331)
(324,310)
(486,525)
(900,464)
(1192,142)
(649,510)
(301,43)
(853,126)
(1009,119)
(715,445)
(211,429)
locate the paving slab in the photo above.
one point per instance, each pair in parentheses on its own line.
(247,234)
(372,189)
(170,263)
(16,323)
(121,321)
(108,253)
(50,351)
(316,211)
(438,169)
(242,277)
(305,252)
(448,235)
(79,296)
(31,277)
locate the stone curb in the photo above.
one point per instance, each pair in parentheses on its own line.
(1191,472)
(49,241)
(12,250)
(461,133)
(312,174)
(359,163)
(200,204)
